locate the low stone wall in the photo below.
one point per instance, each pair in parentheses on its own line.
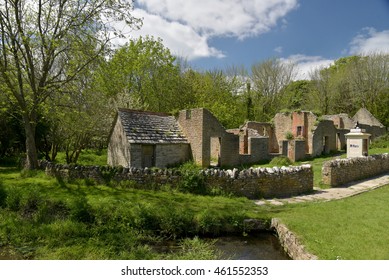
(290,242)
(342,171)
(253,183)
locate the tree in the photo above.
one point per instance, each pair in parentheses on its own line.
(219,93)
(142,75)
(269,78)
(320,97)
(44,45)
(295,95)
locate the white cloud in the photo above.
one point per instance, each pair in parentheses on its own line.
(186,27)
(223,17)
(305,65)
(370,41)
(278,49)
(181,39)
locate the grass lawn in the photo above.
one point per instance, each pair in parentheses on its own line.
(46,218)
(352,228)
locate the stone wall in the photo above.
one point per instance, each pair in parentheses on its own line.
(290,242)
(209,140)
(118,147)
(252,183)
(342,171)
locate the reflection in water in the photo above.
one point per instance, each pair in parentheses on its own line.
(259,246)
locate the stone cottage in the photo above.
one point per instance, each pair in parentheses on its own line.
(145,139)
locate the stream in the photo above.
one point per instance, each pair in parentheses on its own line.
(258,246)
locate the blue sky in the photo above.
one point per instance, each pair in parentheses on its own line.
(215,34)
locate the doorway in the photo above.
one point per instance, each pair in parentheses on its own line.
(215,151)
(148,156)
(326,148)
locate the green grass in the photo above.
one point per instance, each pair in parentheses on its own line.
(87,157)
(354,228)
(46,218)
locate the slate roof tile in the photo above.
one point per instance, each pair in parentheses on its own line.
(150,127)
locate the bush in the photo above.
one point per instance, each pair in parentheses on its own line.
(381,142)
(281,161)
(192,180)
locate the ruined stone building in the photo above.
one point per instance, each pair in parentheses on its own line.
(212,144)
(145,139)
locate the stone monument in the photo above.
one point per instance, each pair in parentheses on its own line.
(357,143)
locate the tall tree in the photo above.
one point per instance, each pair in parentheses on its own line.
(270,77)
(143,75)
(45,44)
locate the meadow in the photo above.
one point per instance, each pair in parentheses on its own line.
(48,218)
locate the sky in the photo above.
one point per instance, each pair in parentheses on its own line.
(219,34)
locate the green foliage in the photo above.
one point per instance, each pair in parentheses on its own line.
(380,142)
(141,75)
(3,196)
(289,135)
(43,219)
(192,179)
(197,249)
(13,198)
(281,161)
(81,211)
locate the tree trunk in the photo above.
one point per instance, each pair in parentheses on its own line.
(31,152)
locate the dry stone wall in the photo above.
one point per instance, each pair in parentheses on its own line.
(290,242)
(342,171)
(252,183)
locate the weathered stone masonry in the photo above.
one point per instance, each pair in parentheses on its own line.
(342,171)
(252,183)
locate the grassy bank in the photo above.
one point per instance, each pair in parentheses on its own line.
(46,218)
(353,228)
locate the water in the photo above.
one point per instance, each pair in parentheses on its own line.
(259,246)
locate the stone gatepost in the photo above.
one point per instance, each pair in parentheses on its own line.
(357,143)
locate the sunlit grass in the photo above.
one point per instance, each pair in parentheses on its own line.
(353,228)
(48,218)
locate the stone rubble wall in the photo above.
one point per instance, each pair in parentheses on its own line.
(290,242)
(253,183)
(342,171)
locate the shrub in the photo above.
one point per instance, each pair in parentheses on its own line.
(381,142)
(289,135)
(281,161)
(192,180)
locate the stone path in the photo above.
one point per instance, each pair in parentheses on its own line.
(348,190)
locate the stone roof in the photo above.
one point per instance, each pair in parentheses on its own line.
(363,116)
(150,128)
